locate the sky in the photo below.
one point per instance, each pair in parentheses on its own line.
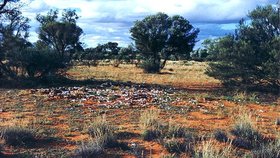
(110,20)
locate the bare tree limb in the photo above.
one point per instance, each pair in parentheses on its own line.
(3,4)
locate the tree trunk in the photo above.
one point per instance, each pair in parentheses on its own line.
(162,65)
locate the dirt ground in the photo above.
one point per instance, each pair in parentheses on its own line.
(61,115)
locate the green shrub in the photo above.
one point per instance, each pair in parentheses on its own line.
(250,57)
(40,63)
(149,66)
(18,136)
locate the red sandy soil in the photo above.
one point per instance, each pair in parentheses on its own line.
(203,117)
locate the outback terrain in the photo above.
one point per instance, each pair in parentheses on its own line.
(178,113)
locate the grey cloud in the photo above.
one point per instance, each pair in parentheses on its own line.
(112,23)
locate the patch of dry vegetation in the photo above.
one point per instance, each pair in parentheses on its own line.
(176,73)
(171,121)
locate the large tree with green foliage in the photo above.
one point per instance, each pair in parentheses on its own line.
(160,36)
(250,57)
(61,35)
(13,38)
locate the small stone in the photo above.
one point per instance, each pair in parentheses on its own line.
(133,145)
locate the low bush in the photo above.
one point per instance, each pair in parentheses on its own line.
(18,136)
(150,67)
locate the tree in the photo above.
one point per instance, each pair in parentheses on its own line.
(206,52)
(64,35)
(3,6)
(160,36)
(127,54)
(251,56)
(91,56)
(10,17)
(111,50)
(13,39)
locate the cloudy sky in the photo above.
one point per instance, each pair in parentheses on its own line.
(110,20)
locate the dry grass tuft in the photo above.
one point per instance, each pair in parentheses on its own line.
(246,135)
(209,150)
(150,120)
(175,130)
(150,124)
(102,132)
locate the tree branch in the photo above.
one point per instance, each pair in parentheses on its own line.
(3,5)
